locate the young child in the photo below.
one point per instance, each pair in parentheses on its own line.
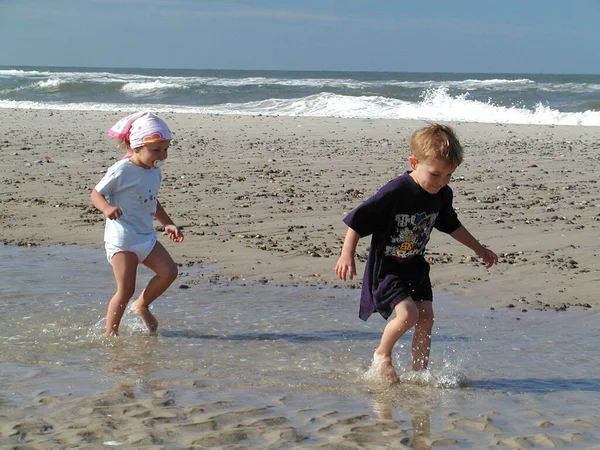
(400,218)
(127,198)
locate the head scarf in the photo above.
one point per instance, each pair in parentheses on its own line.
(140,129)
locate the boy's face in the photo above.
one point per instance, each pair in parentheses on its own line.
(431,175)
(146,155)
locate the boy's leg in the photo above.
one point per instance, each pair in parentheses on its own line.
(407,314)
(421,343)
(165,268)
(124,266)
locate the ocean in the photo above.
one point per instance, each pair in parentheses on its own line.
(543,99)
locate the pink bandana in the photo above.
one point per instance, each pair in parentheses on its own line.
(140,129)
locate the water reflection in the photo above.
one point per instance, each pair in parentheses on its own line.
(130,365)
(419,433)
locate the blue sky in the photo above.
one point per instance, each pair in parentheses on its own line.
(522,36)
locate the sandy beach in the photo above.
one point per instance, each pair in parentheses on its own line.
(262,198)
(261,201)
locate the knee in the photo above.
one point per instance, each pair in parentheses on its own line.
(125,292)
(413,317)
(170,273)
(408,313)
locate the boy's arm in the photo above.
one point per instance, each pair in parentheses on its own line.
(102,205)
(345,266)
(161,215)
(462,235)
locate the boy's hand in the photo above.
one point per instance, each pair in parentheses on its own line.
(112,212)
(345,268)
(488,257)
(174,233)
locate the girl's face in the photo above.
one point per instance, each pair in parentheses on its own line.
(146,155)
(431,175)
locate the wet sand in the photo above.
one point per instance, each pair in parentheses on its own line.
(261,199)
(158,422)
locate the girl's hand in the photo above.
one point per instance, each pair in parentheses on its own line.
(488,257)
(174,233)
(112,212)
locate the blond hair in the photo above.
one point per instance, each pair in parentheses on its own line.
(436,142)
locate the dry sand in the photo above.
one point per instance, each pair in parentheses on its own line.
(262,199)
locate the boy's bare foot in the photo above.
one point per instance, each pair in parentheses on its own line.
(146,316)
(382,366)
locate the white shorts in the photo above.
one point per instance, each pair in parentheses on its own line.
(142,250)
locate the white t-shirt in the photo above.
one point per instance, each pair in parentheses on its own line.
(134,190)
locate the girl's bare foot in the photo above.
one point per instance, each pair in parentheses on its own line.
(382,366)
(146,316)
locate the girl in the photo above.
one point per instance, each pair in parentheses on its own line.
(127,198)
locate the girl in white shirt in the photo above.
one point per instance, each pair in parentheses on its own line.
(127,196)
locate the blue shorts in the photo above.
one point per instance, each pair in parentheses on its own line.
(398,281)
(141,250)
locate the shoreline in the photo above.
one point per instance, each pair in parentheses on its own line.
(262,197)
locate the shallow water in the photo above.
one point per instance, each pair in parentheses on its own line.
(298,348)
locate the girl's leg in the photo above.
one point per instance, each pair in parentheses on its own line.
(421,343)
(124,266)
(407,315)
(165,268)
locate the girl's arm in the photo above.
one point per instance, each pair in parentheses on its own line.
(161,215)
(102,205)
(462,235)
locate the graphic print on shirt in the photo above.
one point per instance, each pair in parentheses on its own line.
(148,202)
(410,234)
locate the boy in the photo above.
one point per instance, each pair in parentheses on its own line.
(401,216)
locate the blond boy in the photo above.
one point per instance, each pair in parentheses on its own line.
(400,217)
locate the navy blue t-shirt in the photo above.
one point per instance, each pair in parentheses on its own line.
(400,217)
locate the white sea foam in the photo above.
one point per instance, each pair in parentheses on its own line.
(572,88)
(49,84)
(435,104)
(349,83)
(150,86)
(22,73)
